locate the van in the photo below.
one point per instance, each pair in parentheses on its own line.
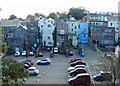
(83,78)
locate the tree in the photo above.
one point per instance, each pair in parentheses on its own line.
(52,15)
(13,72)
(30,17)
(3,44)
(21,19)
(63,15)
(4,48)
(39,14)
(109,63)
(77,13)
(12,17)
(79,48)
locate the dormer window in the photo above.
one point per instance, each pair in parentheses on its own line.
(49,25)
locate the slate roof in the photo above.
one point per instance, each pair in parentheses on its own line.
(113,18)
(15,22)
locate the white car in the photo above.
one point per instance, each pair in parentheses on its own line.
(23,53)
(44,61)
(77,66)
(33,71)
(31,53)
(55,50)
(17,53)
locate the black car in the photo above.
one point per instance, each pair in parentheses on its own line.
(73,60)
(103,76)
(40,54)
(77,71)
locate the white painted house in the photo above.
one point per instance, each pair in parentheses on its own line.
(73,31)
(113,22)
(46,29)
(117,50)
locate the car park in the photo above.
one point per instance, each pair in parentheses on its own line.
(17,53)
(77,71)
(77,63)
(55,50)
(103,76)
(31,53)
(40,54)
(77,66)
(83,78)
(33,71)
(44,61)
(71,53)
(24,53)
(76,59)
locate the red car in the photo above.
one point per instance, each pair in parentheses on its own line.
(27,60)
(83,78)
(77,63)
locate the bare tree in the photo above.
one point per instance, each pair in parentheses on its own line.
(109,63)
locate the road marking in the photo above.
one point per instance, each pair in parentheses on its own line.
(90,74)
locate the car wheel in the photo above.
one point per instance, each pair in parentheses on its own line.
(87,83)
(72,74)
(72,83)
(38,63)
(35,73)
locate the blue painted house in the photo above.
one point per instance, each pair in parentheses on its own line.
(83,32)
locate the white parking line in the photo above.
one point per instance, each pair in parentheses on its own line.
(90,74)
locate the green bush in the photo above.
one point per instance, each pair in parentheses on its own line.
(79,47)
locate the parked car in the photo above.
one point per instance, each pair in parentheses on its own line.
(55,50)
(71,53)
(25,66)
(31,53)
(40,54)
(77,71)
(76,59)
(43,48)
(77,66)
(103,76)
(33,71)
(29,60)
(110,47)
(44,61)
(48,49)
(24,53)
(75,47)
(83,78)
(17,53)
(77,63)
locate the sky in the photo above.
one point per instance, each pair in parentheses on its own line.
(21,8)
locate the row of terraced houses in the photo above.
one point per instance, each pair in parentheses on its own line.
(100,29)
